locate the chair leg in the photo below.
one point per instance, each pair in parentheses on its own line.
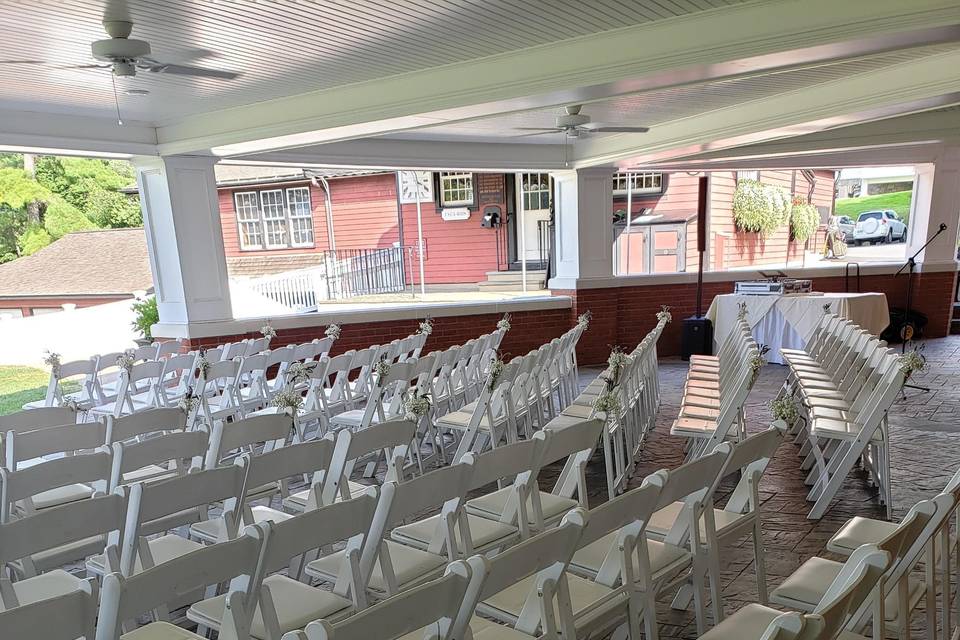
(760,561)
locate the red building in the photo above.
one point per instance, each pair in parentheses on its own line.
(277,219)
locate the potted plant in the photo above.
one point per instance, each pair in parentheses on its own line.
(145,316)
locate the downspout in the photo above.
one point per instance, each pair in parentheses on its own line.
(328,205)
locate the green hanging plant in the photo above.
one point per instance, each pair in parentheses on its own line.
(759,207)
(804,220)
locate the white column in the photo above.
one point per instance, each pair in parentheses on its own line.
(583,201)
(181,215)
(936,201)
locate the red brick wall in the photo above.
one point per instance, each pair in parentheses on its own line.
(529,330)
(623,315)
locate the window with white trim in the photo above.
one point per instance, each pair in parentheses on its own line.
(274,218)
(248,217)
(642,182)
(301,217)
(456,189)
(536,191)
(748,175)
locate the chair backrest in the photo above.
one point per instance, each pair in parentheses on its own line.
(29,445)
(393,438)
(57,526)
(66,617)
(22,485)
(144,423)
(86,368)
(168,347)
(271,430)
(516,463)
(30,419)
(157,588)
(168,451)
(436,603)
(851,587)
(750,458)
(311,457)
(575,443)
(693,483)
(547,554)
(786,626)
(167,504)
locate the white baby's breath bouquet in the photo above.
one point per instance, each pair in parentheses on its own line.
(495,372)
(911,361)
(416,405)
(125,360)
(52,359)
(664,314)
(785,409)
(584,318)
(616,362)
(268,331)
(426,327)
(757,360)
(742,311)
(299,372)
(504,323)
(333,331)
(381,369)
(288,401)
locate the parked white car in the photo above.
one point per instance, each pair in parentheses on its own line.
(879,226)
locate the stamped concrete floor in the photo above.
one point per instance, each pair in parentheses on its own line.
(925,432)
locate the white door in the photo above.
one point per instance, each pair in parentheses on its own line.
(535,218)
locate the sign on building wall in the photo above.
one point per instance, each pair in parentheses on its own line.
(451,214)
(490,188)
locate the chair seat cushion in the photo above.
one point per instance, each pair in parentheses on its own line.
(662,520)
(409,566)
(62,495)
(149,473)
(160,631)
(166,547)
(584,412)
(492,505)
(214,529)
(693,427)
(46,585)
(461,420)
(748,623)
(858,531)
(483,532)
(298,501)
(297,605)
(805,587)
(664,558)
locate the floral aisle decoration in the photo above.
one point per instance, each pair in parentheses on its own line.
(742,311)
(73,405)
(608,402)
(52,360)
(299,372)
(911,361)
(333,331)
(416,405)
(504,323)
(785,409)
(757,361)
(288,401)
(664,314)
(268,332)
(381,369)
(616,363)
(583,320)
(426,327)
(496,372)
(125,360)
(203,365)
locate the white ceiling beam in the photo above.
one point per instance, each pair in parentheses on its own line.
(418,154)
(911,86)
(725,42)
(71,135)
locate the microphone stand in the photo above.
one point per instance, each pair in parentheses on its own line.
(906,331)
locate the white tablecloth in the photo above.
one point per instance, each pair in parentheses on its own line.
(789,321)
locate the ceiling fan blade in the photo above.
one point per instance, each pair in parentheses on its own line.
(184,70)
(537,133)
(84,66)
(554,129)
(599,127)
(23,62)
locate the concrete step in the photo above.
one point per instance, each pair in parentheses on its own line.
(511,286)
(515,276)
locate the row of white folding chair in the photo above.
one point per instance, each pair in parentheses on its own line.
(843,392)
(715,393)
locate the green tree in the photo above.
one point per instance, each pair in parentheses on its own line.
(93,187)
(31,215)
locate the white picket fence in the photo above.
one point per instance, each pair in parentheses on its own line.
(300,290)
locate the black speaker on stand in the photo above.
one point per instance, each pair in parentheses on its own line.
(697,336)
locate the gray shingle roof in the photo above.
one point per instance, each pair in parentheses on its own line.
(100,262)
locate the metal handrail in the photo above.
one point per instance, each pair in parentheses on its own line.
(846,275)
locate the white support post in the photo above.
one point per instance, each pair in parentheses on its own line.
(181,216)
(629,217)
(936,201)
(522,208)
(423,286)
(584,228)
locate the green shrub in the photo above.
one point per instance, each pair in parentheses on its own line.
(804,220)
(759,207)
(146,315)
(33,239)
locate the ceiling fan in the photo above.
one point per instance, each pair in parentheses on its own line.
(124,56)
(574,124)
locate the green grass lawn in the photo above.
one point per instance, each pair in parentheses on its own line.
(19,385)
(899,201)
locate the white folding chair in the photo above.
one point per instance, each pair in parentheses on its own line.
(68,617)
(57,397)
(52,483)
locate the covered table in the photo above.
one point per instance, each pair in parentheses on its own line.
(789,321)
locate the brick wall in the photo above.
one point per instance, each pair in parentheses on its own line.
(529,330)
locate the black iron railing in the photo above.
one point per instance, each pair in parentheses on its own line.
(362,272)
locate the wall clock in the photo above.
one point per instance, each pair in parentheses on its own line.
(411,181)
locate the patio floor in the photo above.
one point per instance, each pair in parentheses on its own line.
(925,432)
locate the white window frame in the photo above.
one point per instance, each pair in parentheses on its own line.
(280,221)
(539,179)
(294,216)
(448,181)
(644,182)
(749,175)
(256,221)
